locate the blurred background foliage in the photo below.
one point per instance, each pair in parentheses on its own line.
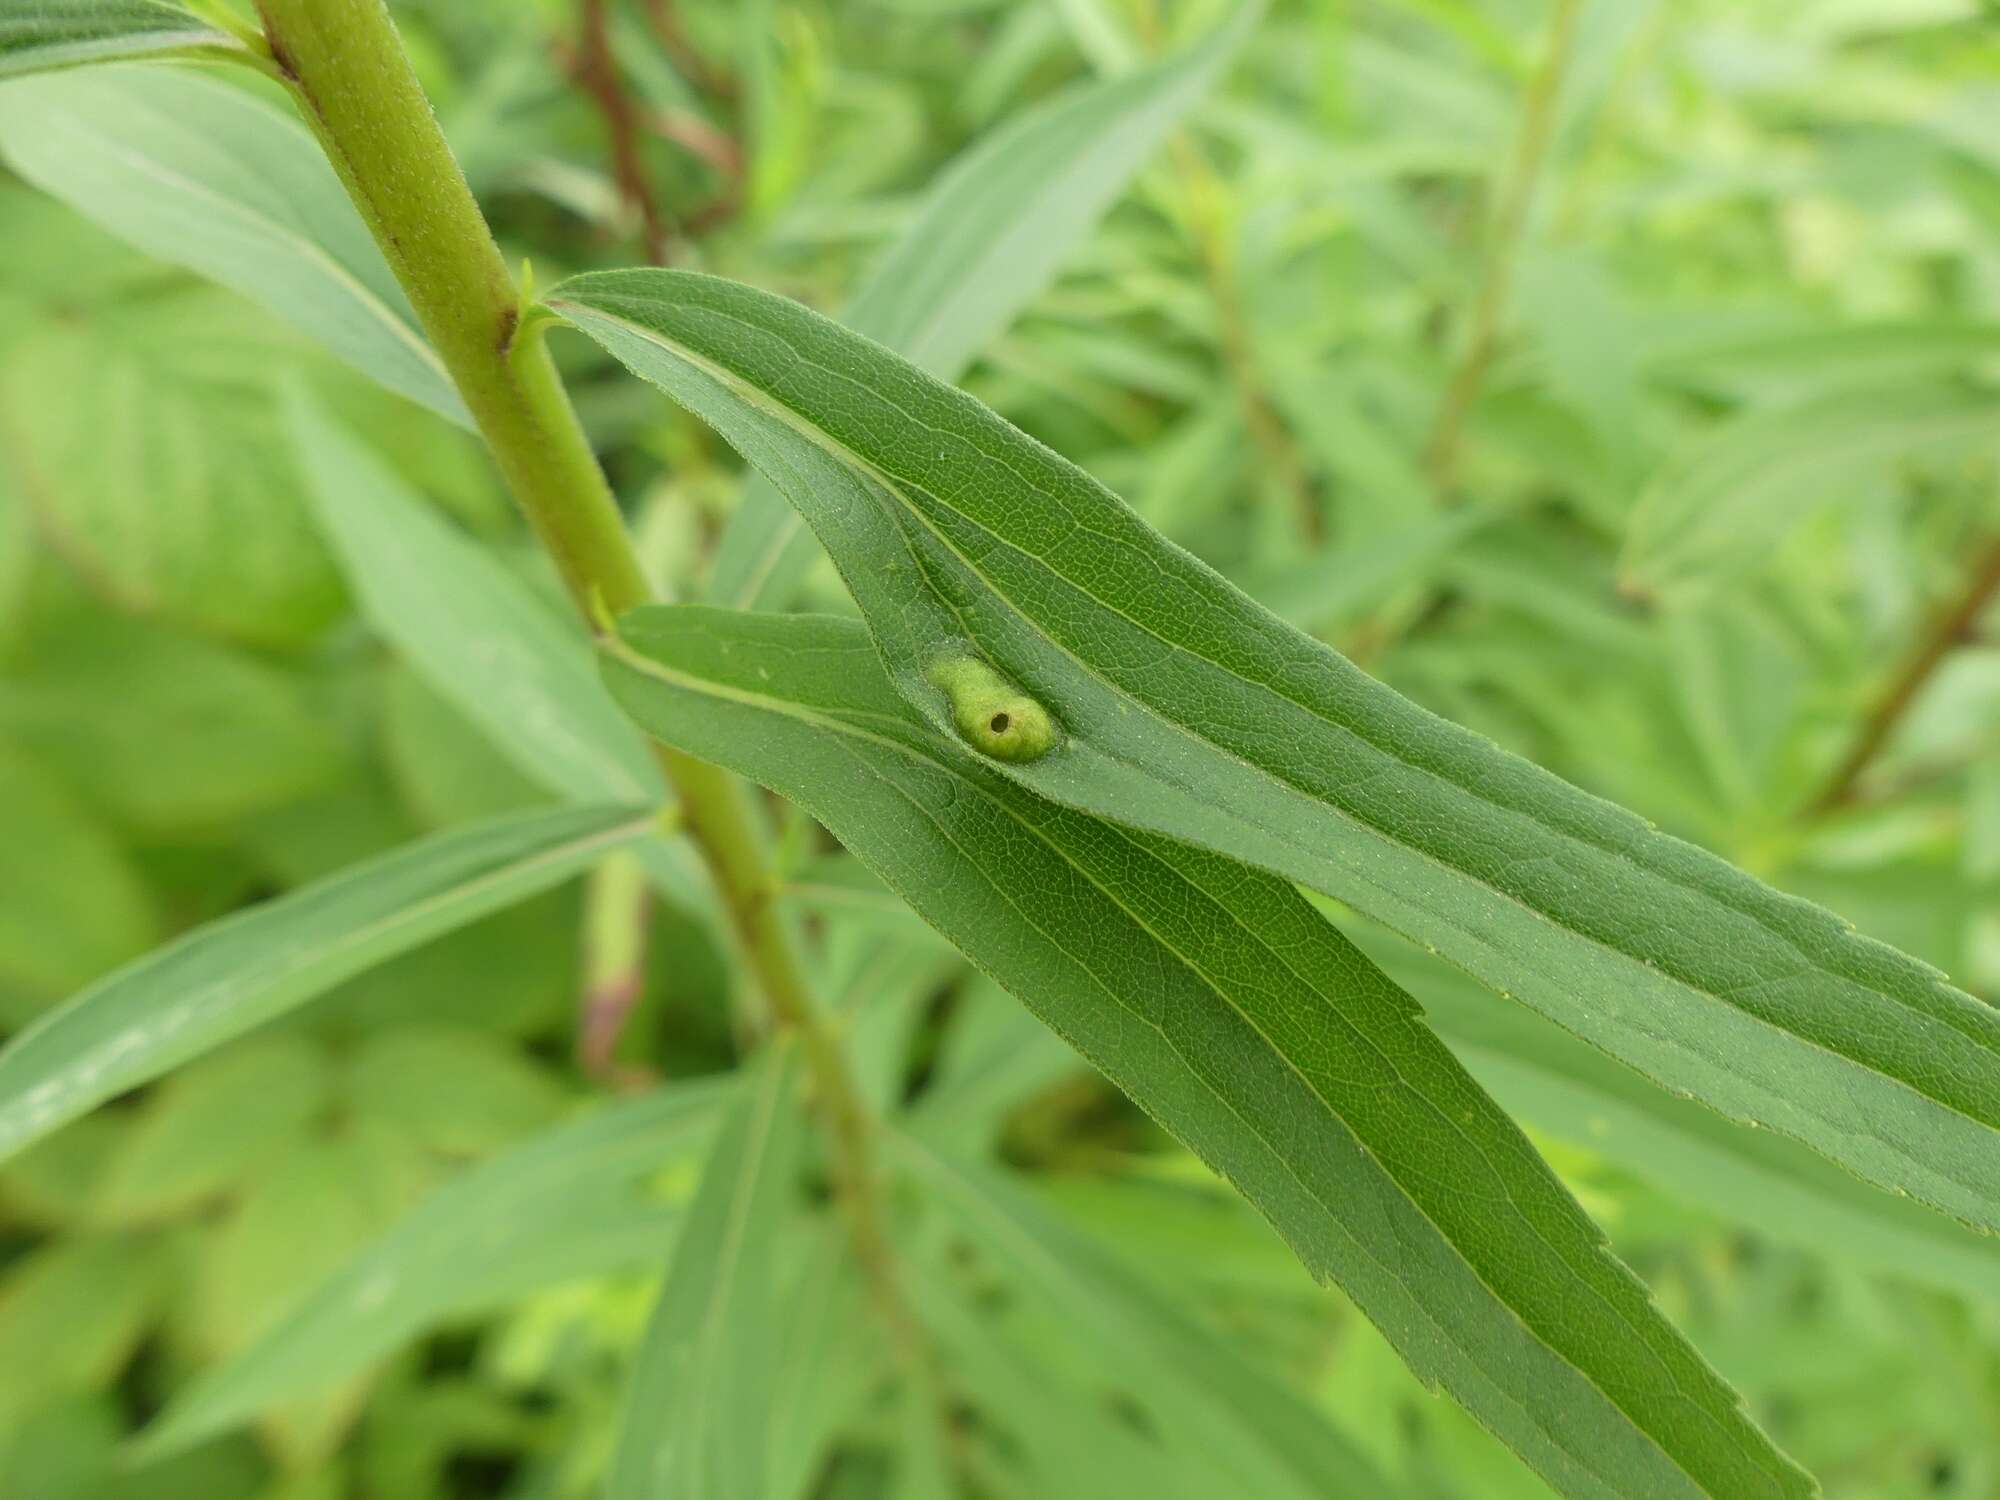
(1619,378)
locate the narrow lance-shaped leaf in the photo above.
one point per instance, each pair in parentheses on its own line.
(582,1199)
(483,639)
(1235,1014)
(38,35)
(699,1404)
(1186,708)
(1551,1082)
(219,180)
(477,634)
(223,979)
(986,241)
(824,1318)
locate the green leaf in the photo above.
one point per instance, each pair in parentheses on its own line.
(71,903)
(986,241)
(159,469)
(993,1059)
(446,769)
(70,1315)
(1187,709)
(483,639)
(585,1198)
(221,980)
(826,1320)
(1797,358)
(1195,1385)
(305,1215)
(1724,504)
(212,1126)
(1554,1083)
(701,1396)
(458,1091)
(169,733)
(1047,1419)
(213,178)
(476,632)
(41,34)
(1241,1020)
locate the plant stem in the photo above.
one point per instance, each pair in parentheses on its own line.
(617,919)
(1207,221)
(1208,225)
(1510,220)
(1950,627)
(597,70)
(357,91)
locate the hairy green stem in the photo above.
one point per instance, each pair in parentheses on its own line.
(347,68)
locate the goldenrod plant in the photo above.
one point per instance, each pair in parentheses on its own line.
(1200,750)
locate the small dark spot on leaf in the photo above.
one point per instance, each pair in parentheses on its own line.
(998,724)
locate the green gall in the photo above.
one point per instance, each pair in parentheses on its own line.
(993,716)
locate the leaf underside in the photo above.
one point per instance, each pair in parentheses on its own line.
(229,185)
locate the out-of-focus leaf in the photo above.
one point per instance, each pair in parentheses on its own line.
(699,1403)
(18,559)
(483,640)
(476,632)
(1795,360)
(1721,506)
(995,1057)
(36,35)
(988,238)
(166,732)
(141,434)
(302,1217)
(589,1197)
(1194,1385)
(71,904)
(51,1185)
(64,1450)
(458,1092)
(1186,709)
(214,178)
(876,983)
(513,972)
(212,1126)
(445,768)
(1244,1023)
(1332,588)
(1053,1428)
(823,1330)
(70,1315)
(220,981)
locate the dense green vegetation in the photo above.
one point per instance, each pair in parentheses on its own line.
(1124,1049)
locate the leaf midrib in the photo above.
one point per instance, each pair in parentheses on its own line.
(299,960)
